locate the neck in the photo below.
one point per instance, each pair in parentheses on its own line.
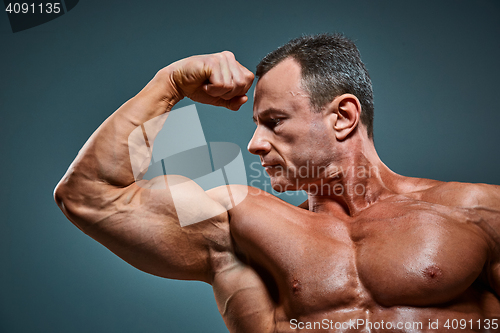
(355,182)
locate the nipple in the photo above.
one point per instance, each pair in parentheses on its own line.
(433,272)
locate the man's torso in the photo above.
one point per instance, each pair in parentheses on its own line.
(403,261)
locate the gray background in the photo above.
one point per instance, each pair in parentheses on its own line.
(435,71)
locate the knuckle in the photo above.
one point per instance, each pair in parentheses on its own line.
(228,54)
(249,75)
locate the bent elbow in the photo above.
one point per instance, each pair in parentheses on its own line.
(58,194)
(86,202)
(64,200)
(70,196)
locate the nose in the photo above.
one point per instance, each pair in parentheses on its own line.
(259,145)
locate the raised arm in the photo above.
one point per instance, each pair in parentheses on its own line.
(138,220)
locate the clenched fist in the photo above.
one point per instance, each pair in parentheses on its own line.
(216,79)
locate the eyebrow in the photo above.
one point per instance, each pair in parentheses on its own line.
(267,112)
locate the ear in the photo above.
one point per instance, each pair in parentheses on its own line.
(347,111)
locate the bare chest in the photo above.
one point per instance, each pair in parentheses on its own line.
(405,255)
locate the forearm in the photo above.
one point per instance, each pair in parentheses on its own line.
(106,158)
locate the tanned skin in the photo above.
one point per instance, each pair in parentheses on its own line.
(385,248)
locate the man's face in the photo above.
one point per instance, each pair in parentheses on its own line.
(294,142)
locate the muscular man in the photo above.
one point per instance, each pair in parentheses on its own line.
(370,251)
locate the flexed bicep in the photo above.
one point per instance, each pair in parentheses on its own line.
(140,225)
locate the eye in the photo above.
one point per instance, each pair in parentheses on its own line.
(275,121)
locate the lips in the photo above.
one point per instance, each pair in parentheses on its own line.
(268,165)
(272,167)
